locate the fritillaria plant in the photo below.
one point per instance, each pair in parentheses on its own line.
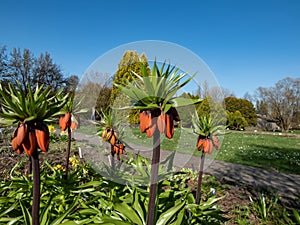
(30,113)
(207,132)
(109,133)
(154,95)
(69,120)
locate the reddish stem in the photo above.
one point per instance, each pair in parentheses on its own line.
(68,152)
(36,188)
(112,152)
(154,178)
(198,193)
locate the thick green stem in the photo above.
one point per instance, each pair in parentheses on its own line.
(154,178)
(68,152)
(36,188)
(198,193)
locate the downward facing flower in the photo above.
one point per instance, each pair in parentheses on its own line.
(30,111)
(206,131)
(69,114)
(110,133)
(119,148)
(154,94)
(207,144)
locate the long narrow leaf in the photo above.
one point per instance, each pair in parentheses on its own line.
(179,102)
(128,212)
(113,221)
(63,216)
(166,217)
(45,216)
(138,207)
(26,215)
(6,211)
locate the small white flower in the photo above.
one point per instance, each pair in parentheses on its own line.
(212,192)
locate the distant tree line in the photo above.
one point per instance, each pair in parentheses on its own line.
(23,67)
(279,104)
(240,112)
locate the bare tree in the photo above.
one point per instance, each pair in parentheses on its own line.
(71,84)
(219,93)
(3,62)
(282,101)
(89,93)
(248,97)
(204,90)
(28,70)
(46,72)
(20,67)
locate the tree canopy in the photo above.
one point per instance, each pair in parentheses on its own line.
(29,70)
(235,120)
(130,62)
(281,102)
(245,107)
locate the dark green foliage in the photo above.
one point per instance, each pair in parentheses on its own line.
(244,106)
(235,120)
(204,108)
(103,100)
(130,62)
(210,108)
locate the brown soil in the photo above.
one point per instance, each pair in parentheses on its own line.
(237,205)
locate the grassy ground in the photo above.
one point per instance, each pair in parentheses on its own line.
(258,150)
(266,151)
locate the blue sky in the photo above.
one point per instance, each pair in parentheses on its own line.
(246,44)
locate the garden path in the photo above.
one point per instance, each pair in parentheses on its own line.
(288,185)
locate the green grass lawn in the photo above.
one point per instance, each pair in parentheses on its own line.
(265,151)
(294,131)
(91,129)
